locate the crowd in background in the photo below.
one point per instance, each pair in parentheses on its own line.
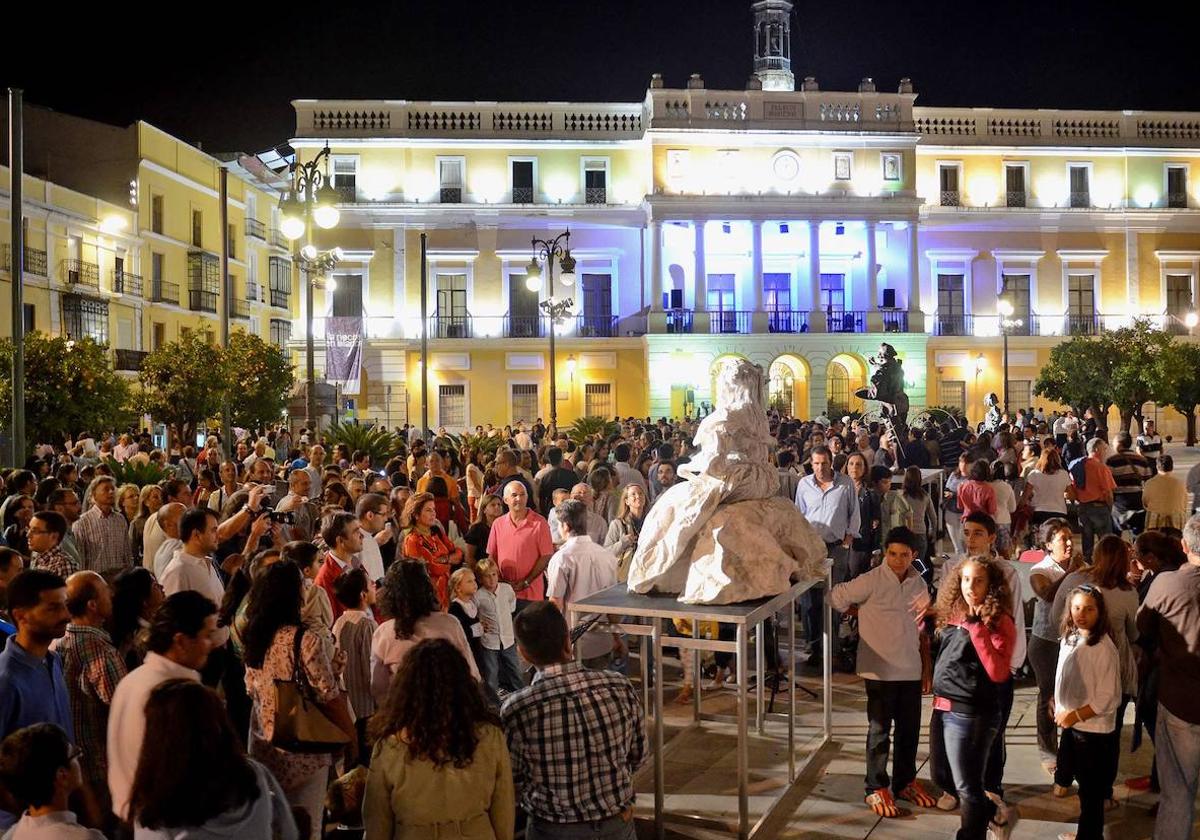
(409,599)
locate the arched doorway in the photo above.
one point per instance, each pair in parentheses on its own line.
(787,386)
(845,375)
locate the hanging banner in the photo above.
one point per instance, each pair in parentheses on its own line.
(343,353)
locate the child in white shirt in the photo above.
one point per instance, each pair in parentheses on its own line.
(495,603)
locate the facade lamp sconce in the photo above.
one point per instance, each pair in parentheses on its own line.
(1190,320)
(571,363)
(980,364)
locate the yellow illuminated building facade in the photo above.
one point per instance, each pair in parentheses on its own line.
(123,238)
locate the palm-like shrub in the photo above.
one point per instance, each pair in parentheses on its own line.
(482,443)
(138,474)
(586,428)
(376,441)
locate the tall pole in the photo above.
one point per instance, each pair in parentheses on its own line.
(310,381)
(424,339)
(1004,331)
(16,159)
(553,368)
(226,302)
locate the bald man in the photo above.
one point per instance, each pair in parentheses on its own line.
(92,667)
(169,516)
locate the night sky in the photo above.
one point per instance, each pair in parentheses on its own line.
(166,63)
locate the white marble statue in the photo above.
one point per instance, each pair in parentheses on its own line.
(725,535)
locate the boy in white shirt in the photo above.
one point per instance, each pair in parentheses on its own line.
(894,661)
(496,601)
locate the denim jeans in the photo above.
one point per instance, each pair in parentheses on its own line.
(1089,755)
(501,669)
(939,765)
(968,739)
(613,828)
(1177,748)
(993,775)
(812,602)
(889,703)
(1095,520)
(1043,657)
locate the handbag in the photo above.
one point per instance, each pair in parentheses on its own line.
(301,725)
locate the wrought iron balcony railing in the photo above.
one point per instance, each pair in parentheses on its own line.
(81,273)
(126,283)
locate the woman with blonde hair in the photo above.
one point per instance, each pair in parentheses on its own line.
(978,636)
(129,501)
(149,501)
(622,536)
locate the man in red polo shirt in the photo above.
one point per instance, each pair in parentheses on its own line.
(520,544)
(344,537)
(1095,495)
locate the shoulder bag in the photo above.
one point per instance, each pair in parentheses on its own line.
(301,725)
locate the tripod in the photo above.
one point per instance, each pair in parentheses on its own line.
(777,679)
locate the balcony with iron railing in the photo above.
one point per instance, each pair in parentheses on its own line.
(1016,198)
(524,326)
(953,324)
(253,291)
(894,320)
(729,321)
(1081,198)
(596,326)
(347,193)
(450,195)
(129,360)
(1177,200)
(278,240)
(126,283)
(239,309)
(280,298)
(1084,323)
(679,321)
(163,292)
(950,198)
(596,195)
(202,300)
(80,273)
(457,325)
(839,321)
(256,229)
(787,321)
(35,260)
(522,195)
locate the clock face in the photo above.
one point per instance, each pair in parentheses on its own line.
(785,166)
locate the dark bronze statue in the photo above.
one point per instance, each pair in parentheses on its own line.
(887,388)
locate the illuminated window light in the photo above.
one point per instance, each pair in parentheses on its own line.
(840,230)
(726,227)
(783,227)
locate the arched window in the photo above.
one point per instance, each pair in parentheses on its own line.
(837,390)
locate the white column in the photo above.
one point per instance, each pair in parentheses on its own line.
(756,265)
(816,318)
(914,276)
(869,252)
(656,279)
(699,278)
(1133,280)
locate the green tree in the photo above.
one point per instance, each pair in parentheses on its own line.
(258,377)
(70,387)
(183,383)
(1138,375)
(1076,375)
(1182,370)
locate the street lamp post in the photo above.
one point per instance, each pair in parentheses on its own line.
(311,198)
(1005,308)
(549,250)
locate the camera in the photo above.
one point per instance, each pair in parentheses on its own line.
(283,517)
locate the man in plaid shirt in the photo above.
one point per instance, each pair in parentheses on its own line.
(92,667)
(102,532)
(46,532)
(576,737)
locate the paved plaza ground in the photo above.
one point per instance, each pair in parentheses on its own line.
(701,766)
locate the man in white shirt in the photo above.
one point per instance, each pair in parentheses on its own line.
(626,474)
(579,569)
(316,463)
(522,438)
(169,517)
(373,512)
(176,491)
(192,569)
(181,638)
(894,662)
(597,528)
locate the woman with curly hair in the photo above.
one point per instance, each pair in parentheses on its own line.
(978,636)
(440,765)
(411,605)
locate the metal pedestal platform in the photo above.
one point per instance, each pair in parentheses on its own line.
(643,615)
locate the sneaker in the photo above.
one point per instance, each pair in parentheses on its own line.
(1061,792)
(947,802)
(998,831)
(882,803)
(917,795)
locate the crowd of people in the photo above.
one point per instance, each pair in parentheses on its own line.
(394,632)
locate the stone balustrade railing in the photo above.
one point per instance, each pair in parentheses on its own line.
(1008,126)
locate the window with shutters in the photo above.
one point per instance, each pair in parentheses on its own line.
(156,213)
(1020,394)
(345,178)
(1177,186)
(347,296)
(85,317)
(452,406)
(952,393)
(523,179)
(524,402)
(595,180)
(1079,175)
(281,332)
(451,178)
(597,400)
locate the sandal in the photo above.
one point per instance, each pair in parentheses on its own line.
(917,795)
(882,803)
(684,696)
